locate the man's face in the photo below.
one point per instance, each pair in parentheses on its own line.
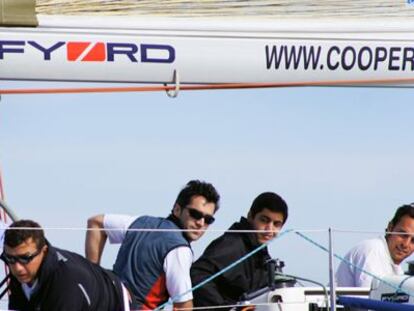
(266,220)
(190,216)
(25,272)
(401,246)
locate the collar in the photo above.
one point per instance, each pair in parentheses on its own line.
(387,251)
(250,238)
(46,269)
(174,219)
(29,290)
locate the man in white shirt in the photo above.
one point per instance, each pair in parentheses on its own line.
(380,256)
(155,265)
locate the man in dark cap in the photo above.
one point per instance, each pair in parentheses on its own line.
(268,213)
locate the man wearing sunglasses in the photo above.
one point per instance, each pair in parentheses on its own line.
(49,279)
(155,265)
(268,214)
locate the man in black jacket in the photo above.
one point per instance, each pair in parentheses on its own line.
(44,278)
(268,213)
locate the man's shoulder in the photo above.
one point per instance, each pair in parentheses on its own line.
(368,243)
(70,264)
(150,221)
(227,244)
(368,247)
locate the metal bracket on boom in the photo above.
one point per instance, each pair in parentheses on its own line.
(176,81)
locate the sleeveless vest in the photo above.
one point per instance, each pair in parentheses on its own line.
(140,259)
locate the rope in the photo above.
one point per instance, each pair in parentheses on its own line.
(3,215)
(200,87)
(216,307)
(3,218)
(397,288)
(202,230)
(155,229)
(223,270)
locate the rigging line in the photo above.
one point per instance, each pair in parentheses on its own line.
(202,230)
(223,270)
(370,232)
(397,288)
(3,214)
(218,307)
(150,229)
(8,210)
(1,187)
(325,291)
(3,217)
(200,87)
(160,230)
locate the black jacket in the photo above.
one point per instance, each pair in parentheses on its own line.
(69,282)
(248,276)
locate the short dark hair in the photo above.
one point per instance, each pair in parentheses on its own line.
(198,188)
(406,209)
(14,237)
(270,201)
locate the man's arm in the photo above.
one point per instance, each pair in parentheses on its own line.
(208,294)
(218,255)
(17,300)
(64,293)
(187,305)
(176,266)
(116,227)
(95,239)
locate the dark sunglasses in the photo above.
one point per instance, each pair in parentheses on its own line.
(22,259)
(197,215)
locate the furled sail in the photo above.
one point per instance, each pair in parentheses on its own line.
(231,8)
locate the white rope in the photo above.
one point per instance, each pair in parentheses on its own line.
(209,230)
(233,305)
(208,307)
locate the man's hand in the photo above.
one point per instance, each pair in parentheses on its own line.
(95,239)
(187,306)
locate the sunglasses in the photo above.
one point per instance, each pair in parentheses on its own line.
(22,259)
(197,215)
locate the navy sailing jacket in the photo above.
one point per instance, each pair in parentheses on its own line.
(248,276)
(69,282)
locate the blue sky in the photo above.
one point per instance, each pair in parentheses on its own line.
(341,157)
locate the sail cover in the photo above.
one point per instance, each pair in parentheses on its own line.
(23,12)
(231,8)
(209,41)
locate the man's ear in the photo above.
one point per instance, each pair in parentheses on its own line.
(44,249)
(389,228)
(176,210)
